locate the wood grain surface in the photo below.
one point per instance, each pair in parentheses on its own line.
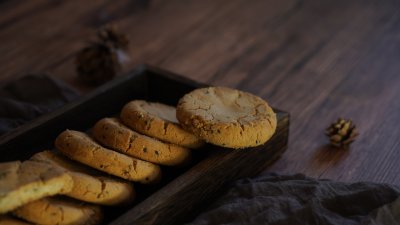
(317,60)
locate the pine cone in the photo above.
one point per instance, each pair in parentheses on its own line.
(341,133)
(101,61)
(97,64)
(110,36)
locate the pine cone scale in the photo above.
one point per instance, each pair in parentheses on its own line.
(341,133)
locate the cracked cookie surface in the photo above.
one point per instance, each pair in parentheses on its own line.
(28,181)
(89,185)
(227,117)
(111,133)
(80,147)
(158,121)
(51,210)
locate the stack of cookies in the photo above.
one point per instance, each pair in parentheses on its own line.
(69,186)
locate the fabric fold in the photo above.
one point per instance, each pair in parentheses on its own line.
(29,97)
(297,199)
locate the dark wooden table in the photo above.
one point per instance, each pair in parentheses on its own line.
(317,60)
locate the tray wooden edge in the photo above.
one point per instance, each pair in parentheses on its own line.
(5,138)
(182,198)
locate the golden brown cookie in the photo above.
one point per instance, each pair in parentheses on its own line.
(90,186)
(21,183)
(113,134)
(80,147)
(227,117)
(159,121)
(8,220)
(52,211)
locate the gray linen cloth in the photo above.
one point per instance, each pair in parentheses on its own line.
(29,97)
(297,199)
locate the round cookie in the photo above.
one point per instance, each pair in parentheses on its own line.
(80,147)
(28,181)
(50,210)
(159,121)
(113,134)
(227,117)
(7,220)
(89,185)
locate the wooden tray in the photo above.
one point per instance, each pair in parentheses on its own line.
(183,191)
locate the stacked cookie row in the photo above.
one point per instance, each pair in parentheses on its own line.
(130,148)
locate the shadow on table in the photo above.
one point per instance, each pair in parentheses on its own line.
(327,154)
